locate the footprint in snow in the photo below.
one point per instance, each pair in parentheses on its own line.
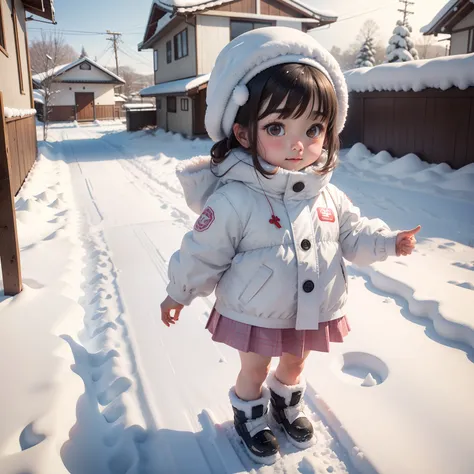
(465,284)
(360,368)
(465,265)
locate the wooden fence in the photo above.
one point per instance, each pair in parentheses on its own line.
(18,149)
(436,125)
(21,132)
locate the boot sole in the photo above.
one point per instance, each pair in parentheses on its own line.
(267,460)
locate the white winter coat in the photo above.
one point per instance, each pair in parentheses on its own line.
(288,277)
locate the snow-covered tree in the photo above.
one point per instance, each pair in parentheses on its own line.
(365,57)
(400,46)
(83,53)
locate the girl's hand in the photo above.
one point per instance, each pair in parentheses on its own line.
(166,307)
(406,241)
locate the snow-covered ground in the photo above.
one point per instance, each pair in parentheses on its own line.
(92,382)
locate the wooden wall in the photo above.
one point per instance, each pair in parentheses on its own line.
(21,133)
(436,125)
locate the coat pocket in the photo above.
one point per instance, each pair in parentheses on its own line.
(256,283)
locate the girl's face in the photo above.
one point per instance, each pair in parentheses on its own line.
(291,143)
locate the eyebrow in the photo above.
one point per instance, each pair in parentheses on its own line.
(313,116)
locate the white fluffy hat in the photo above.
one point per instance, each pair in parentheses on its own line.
(254,51)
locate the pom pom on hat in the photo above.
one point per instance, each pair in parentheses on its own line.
(240,95)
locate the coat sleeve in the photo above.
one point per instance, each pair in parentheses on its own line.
(363,241)
(206,252)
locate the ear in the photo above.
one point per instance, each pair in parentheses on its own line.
(241,133)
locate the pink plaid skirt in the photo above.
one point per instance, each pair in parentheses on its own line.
(274,342)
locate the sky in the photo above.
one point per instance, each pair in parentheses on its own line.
(85,24)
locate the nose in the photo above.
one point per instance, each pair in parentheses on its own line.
(298,146)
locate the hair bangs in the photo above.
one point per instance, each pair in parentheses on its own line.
(295,88)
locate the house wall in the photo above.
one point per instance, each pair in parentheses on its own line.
(82,74)
(465,22)
(290,24)
(9,79)
(459,42)
(181,121)
(65,93)
(213,33)
(181,68)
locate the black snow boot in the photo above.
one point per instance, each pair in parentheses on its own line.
(287,410)
(250,421)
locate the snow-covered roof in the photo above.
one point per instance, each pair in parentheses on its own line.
(181,86)
(186,6)
(451,6)
(139,106)
(171,7)
(38,96)
(58,70)
(438,73)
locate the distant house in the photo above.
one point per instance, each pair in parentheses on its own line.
(187,39)
(82,90)
(456,18)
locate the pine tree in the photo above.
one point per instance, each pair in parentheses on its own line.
(83,53)
(366,55)
(401,47)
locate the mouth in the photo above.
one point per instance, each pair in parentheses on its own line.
(294,159)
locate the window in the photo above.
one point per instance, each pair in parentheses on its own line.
(85,66)
(470,41)
(181,44)
(171,104)
(3,47)
(17,47)
(185,104)
(158,104)
(239,27)
(168,52)
(155,60)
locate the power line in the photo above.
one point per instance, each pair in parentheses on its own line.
(366,12)
(69,32)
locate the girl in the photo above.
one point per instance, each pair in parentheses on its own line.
(273,232)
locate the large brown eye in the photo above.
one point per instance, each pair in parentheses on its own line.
(275,130)
(314,131)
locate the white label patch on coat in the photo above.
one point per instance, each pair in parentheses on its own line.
(326,215)
(205,220)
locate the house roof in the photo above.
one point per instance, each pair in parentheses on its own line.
(189,6)
(180,86)
(450,15)
(42,8)
(164,11)
(59,70)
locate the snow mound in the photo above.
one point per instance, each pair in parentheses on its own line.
(409,170)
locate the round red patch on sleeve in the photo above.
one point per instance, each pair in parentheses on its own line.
(205,220)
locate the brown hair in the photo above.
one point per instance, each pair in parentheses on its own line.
(296,84)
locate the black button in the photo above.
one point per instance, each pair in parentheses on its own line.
(298,187)
(308,286)
(305,244)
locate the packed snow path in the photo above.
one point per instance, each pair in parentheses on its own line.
(170,385)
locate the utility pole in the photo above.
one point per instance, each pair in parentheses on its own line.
(405,11)
(115,40)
